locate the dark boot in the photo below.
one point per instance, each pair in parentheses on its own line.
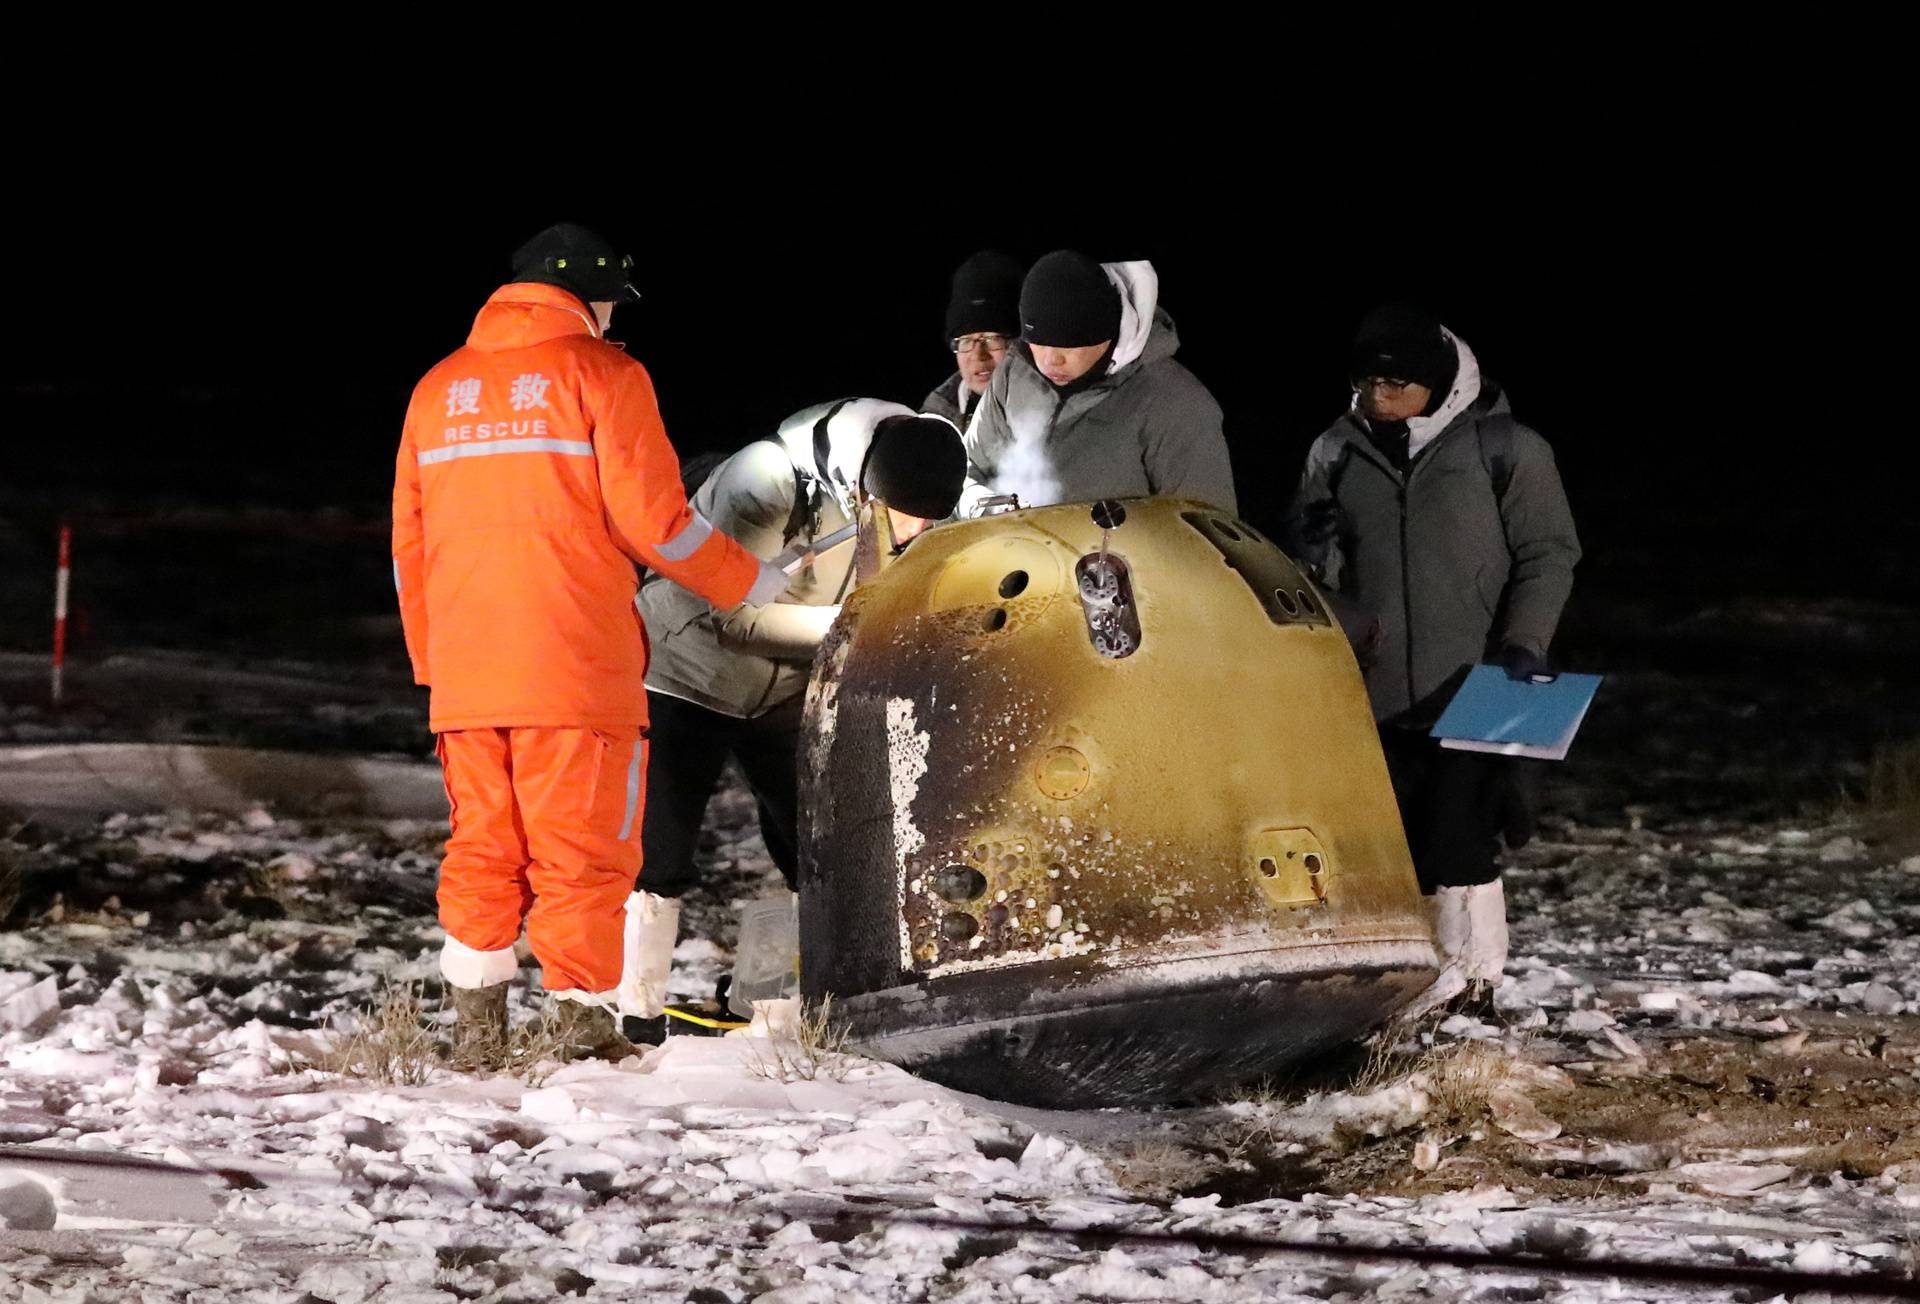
(588,1032)
(644,1032)
(479,1027)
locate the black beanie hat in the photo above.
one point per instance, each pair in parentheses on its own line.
(916,465)
(1403,342)
(579,261)
(986,296)
(1068,302)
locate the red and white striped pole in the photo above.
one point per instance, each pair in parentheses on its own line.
(61,577)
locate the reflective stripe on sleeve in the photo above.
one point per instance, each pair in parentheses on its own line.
(565,447)
(633,790)
(684,544)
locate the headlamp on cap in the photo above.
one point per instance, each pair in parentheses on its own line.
(600,278)
(579,261)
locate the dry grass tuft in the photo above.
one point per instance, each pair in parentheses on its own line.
(1155,1169)
(1359,1068)
(1248,1136)
(818,1050)
(1261,1093)
(1460,1078)
(393,1044)
(1386,1062)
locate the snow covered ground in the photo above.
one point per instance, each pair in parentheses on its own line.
(1711,1056)
(1711,1040)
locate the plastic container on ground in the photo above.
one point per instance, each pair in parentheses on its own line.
(766,963)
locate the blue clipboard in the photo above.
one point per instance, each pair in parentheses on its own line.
(1537,718)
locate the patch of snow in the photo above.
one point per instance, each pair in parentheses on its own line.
(1517,1115)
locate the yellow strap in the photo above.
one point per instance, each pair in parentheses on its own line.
(700,1019)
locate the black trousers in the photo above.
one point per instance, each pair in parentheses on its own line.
(688,748)
(1453,804)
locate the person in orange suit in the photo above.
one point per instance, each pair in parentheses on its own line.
(533,474)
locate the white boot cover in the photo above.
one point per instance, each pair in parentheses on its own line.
(1453,925)
(1486,948)
(462,966)
(646,962)
(1451,933)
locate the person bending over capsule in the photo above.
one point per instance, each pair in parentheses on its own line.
(729,684)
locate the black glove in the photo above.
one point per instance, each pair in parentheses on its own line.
(1320,524)
(1521,663)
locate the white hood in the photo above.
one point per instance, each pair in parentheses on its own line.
(1466,388)
(849,431)
(1139,287)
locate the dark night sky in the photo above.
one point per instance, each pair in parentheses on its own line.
(1653,265)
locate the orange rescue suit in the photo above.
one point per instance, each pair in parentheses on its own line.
(533,474)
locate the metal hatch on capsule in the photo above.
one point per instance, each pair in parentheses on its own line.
(1096,812)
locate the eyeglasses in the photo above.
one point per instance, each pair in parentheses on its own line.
(973,343)
(1384,385)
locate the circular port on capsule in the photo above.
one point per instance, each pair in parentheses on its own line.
(1063,773)
(959,883)
(958,927)
(1014,584)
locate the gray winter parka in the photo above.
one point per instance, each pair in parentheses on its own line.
(1453,570)
(746,661)
(946,401)
(1148,427)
